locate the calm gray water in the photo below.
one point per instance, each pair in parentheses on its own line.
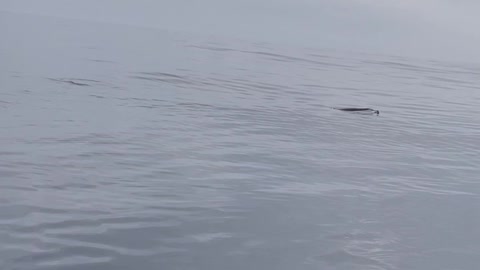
(131,148)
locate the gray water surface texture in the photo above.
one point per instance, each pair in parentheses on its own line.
(130,148)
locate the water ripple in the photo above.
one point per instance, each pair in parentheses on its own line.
(191,154)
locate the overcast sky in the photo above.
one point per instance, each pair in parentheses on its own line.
(431,28)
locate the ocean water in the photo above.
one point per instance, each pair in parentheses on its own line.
(132,148)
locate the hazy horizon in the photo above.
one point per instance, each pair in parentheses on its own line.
(432,29)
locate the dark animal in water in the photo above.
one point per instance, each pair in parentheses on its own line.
(359,110)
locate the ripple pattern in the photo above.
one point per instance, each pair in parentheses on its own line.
(171,152)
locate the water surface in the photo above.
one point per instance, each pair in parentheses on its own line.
(131,148)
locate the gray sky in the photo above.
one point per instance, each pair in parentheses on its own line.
(432,28)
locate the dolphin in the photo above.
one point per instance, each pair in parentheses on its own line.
(377,112)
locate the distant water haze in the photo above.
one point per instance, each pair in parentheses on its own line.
(439,29)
